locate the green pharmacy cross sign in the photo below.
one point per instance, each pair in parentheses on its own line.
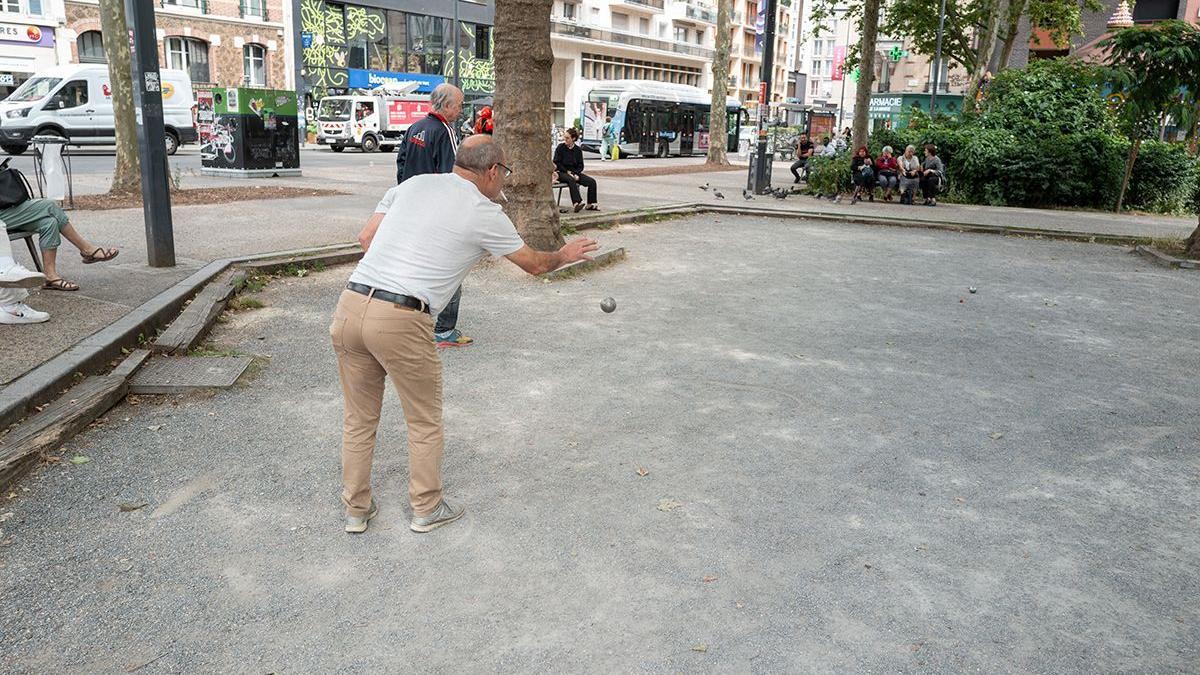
(897,53)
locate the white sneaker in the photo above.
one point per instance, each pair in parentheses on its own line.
(19,277)
(22,313)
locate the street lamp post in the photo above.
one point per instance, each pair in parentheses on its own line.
(761,179)
(842,100)
(937,62)
(457,32)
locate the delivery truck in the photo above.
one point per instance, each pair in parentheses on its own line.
(375,120)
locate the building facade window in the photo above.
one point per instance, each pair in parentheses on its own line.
(604,67)
(426,43)
(254,8)
(569,11)
(190,54)
(483,42)
(193,4)
(254,65)
(91,47)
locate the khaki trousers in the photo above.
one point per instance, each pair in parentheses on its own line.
(374,340)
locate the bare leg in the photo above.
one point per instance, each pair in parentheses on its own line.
(50,263)
(72,235)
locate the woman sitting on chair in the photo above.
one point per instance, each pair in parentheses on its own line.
(51,224)
(568,162)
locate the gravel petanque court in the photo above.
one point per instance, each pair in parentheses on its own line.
(852,464)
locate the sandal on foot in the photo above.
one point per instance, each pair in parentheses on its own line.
(101,254)
(60,284)
(593,207)
(578,207)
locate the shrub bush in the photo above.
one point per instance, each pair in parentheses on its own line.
(829,175)
(1164,179)
(1059,93)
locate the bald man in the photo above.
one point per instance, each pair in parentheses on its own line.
(436,229)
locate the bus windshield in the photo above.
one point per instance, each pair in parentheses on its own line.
(34,89)
(600,106)
(334,110)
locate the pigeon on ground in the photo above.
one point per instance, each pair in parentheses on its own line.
(717,194)
(780,193)
(746,194)
(704,187)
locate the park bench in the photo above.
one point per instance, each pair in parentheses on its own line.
(33,251)
(560,186)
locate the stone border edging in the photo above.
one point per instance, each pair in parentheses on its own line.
(93,353)
(1158,257)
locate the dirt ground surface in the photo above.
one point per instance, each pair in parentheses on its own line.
(851,464)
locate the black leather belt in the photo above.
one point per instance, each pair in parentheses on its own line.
(394,298)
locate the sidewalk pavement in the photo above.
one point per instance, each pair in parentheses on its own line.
(206,233)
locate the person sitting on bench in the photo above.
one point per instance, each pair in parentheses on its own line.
(48,220)
(568,162)
(14,279)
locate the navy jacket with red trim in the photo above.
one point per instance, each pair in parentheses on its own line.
(427,148)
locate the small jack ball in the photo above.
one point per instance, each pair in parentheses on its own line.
(972,289)
(608,305)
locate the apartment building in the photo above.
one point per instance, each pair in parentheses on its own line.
(745,59)
(658,40)
(1095,28)
(31,39)
(219,42)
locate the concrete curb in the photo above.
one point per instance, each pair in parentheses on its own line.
(601,259)
(649,214)
(1158,257)
(94,353)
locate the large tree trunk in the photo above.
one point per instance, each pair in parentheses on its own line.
(862,94)
(1015,9)
(987,45)
(717,134)
(1192,245)
(523,119)
(115,35)
(1133,153)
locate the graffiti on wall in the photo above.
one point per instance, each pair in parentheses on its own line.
(329,30)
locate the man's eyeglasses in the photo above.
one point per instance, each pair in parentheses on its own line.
(507,171)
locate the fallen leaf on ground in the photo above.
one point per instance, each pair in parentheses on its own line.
(960,500)
(917,645)
(80,459)
(668,505)
(700,648)
(154,427)
(126,507)
(739,605)
(709,580)
(996,435)
(642,471)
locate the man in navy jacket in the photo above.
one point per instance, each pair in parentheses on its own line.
(430,147)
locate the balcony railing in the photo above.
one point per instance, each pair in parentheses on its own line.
(943,87)
(700,14)
(587,32)
(653,4)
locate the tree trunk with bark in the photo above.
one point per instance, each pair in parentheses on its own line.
(523,117)
(717,134)
(1015,9)
(114,33)
(866,78)
(987,45)
(1192,245)
(1133,153)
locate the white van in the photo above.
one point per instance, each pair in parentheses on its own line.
(75,102)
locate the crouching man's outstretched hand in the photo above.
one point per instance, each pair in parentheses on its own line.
(539,262)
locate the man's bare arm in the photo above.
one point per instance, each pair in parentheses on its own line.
(539,262)
(368,233)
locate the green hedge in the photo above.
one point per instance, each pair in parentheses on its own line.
(1165,179)
(829,175)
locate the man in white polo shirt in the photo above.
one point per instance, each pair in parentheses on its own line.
(437,228)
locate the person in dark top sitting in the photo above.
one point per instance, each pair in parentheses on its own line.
(568,163)
(933,171)
(862,174)
(804,151)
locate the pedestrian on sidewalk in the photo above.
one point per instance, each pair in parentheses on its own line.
(429,147)
(50,222)
(606,140)
(568,162)
(437,228)
(14,279)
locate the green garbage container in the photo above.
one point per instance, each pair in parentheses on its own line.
(248,132)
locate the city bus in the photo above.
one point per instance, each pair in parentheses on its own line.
(655,118)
